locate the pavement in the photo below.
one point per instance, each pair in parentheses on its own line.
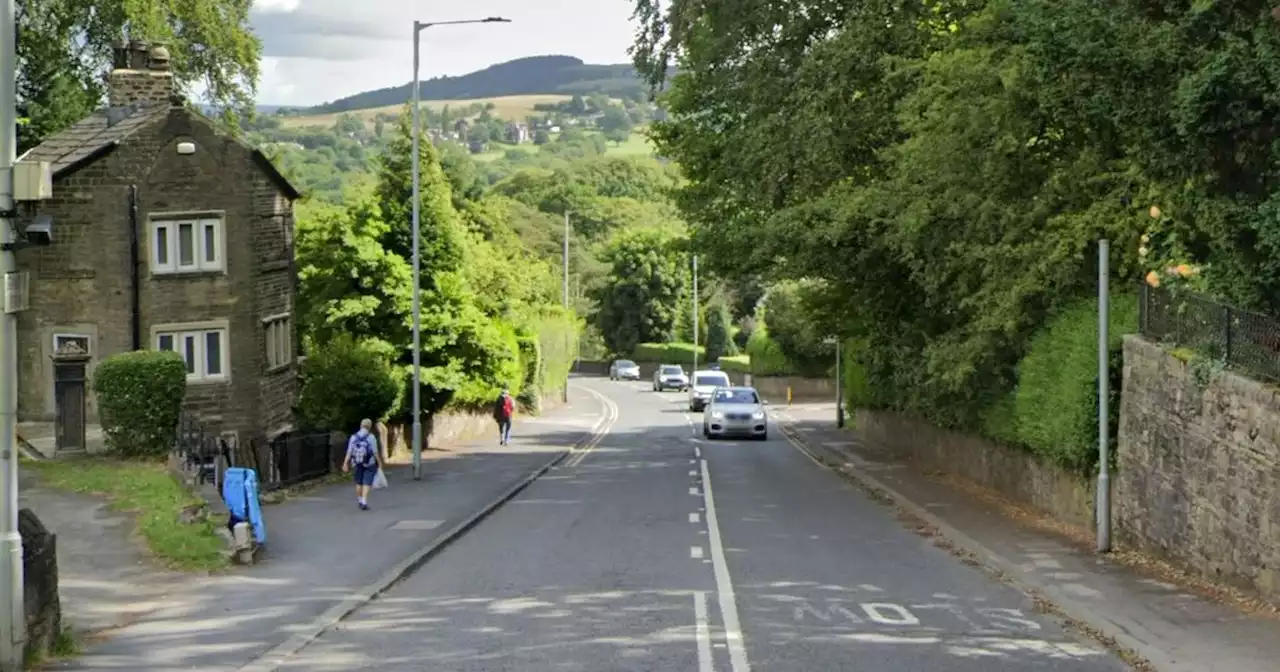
(324,556)
(658,550)
(1175,628)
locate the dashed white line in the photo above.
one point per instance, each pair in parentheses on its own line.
(693,472)
(702,632)
(724,585)
(694,492)
(693,517)
(695,552)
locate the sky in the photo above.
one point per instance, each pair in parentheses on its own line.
(316,51)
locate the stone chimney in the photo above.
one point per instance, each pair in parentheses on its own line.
(140,75)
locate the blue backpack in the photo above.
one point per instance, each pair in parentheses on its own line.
(361,451)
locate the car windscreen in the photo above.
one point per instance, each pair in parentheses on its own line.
(711,381)
(624,363)
(736,397)
(672,371)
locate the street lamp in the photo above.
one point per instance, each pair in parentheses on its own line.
(418,27)
(565,392)
(833,340)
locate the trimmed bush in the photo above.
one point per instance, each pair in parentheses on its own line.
(139,401)
(344,382)
(558,348)
(1054,409)
(736,364)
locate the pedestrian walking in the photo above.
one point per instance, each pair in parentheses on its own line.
(363,459)
(503,409)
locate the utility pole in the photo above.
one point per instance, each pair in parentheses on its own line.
(1103,513)
(565,391)
(13,624)
(695,315)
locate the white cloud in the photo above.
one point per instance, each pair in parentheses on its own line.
(314,51)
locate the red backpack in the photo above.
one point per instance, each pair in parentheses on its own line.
(508,406)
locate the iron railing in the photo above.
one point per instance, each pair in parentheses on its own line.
(286,460)
(1246,341)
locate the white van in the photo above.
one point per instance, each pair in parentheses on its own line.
(702,384)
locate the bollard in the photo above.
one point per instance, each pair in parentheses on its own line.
(788,395)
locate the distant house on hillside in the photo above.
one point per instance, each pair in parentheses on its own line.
(517,133)
(168,233)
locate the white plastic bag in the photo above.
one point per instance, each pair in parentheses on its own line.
(380,480)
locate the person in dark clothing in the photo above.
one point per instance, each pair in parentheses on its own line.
(503,409)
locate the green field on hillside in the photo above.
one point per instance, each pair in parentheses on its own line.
(513,108)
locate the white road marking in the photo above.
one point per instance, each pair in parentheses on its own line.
(694,492)
(889,614)
(693,472)
(697,452)
(600,430)
(695,552)
(724,584)
(693,517)
(702,632)
(415,525)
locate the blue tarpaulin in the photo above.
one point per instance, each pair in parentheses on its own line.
(240,493)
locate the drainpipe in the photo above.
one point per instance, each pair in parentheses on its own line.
(135,301)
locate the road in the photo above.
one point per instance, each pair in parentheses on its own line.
(658,550)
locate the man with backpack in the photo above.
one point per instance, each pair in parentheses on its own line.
(362,458)
(503,409)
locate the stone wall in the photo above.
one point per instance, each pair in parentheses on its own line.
(1014,473)
(774,388)
(41,606)
(452,428)
(1199,469)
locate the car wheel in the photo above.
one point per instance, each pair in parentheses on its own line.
(764,437)
(706,433)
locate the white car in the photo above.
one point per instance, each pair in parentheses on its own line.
(736,411)
(624,369)
(703,384)
(669,377)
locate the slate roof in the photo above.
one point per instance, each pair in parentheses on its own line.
(94,136)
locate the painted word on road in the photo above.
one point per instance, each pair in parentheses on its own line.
(890,614)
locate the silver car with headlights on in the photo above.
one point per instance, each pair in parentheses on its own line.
(736,411)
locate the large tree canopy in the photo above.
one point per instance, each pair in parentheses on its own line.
(65,48)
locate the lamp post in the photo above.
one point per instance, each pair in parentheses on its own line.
(833,340)
(565,394)
(1103,503)
(418,27)
(695,316)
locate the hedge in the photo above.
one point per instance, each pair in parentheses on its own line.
(140,400)
(667,353)
(1053,411)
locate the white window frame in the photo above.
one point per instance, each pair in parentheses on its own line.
(198,332)
(88,340)
(171,262)
(277,331)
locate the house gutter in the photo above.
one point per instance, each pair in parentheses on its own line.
(135,289)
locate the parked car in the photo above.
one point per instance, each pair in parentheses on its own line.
(704,383)
(669,377)
(736,411)
(624,369)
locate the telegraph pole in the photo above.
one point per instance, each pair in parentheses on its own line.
(13,626)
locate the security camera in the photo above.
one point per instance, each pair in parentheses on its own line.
(40,230)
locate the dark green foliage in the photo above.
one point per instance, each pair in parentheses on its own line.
(343,382)
(719,342)
(139,401)
(646,286)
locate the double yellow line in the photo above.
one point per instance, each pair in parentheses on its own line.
(598,430)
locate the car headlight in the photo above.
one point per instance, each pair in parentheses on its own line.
(758,415)
(717,415)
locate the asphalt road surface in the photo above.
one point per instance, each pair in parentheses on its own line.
(658,550)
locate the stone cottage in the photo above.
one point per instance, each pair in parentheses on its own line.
(169,233)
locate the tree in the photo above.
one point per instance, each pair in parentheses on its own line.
(616,123)
(541,137)
(644,290)
(63,47)
(348,283)
(345,381)
(719,339)
(577,106)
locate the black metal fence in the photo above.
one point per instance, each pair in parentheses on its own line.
(288,459)
(1247,341)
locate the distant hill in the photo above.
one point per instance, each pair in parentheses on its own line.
(564,75)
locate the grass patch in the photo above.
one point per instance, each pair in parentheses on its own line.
(147,489)
(736,363)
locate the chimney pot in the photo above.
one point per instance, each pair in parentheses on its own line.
(159,58)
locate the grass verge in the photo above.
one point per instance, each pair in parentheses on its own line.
(149,491)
